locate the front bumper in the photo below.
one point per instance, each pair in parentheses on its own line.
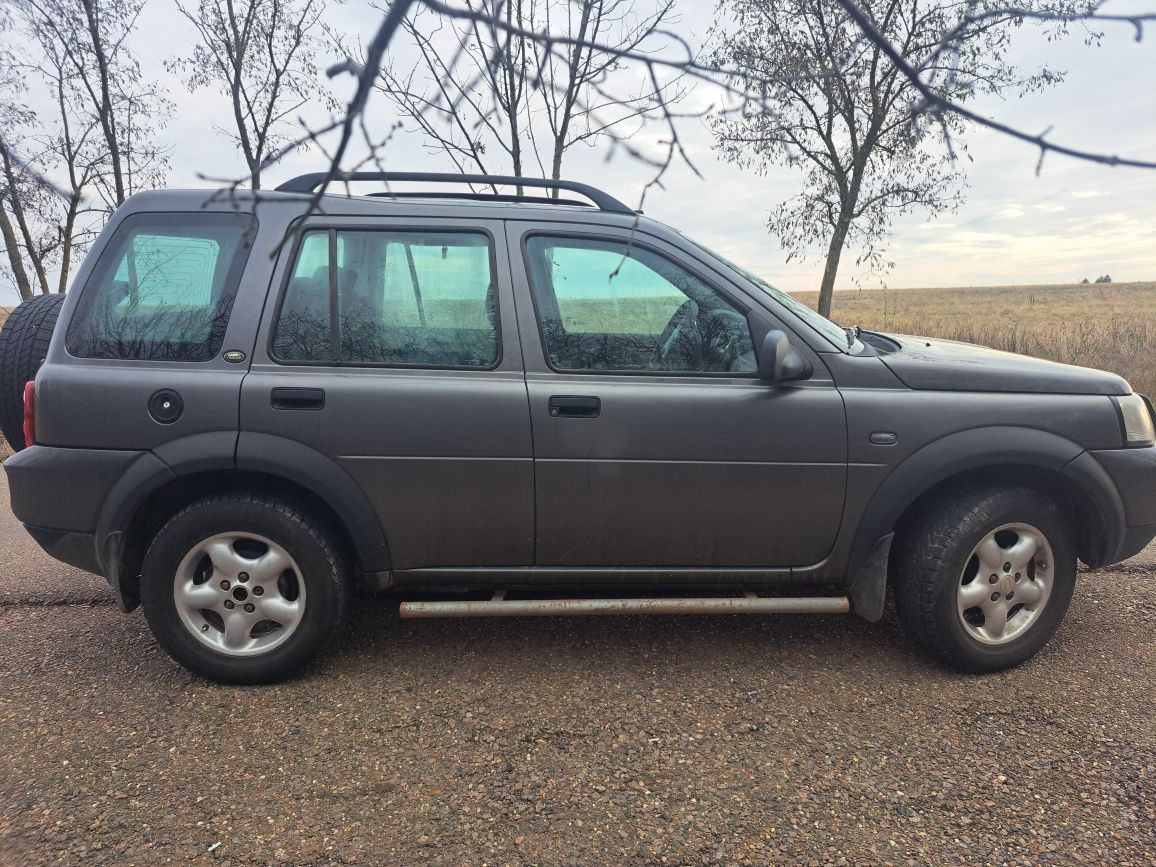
(1133,474)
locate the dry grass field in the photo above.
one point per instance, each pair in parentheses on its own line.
(1112,326)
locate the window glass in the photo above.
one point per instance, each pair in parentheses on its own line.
(303,332)
(608,305)
(836,335)
(163,290)
(404,298)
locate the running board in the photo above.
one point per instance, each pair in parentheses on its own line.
(499,606)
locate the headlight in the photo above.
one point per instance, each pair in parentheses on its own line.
(1136,420)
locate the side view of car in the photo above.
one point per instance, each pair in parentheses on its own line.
(534,405)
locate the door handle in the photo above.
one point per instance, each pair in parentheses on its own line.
(297,398)
(571,406)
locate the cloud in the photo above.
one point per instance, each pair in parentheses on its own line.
(1072,219)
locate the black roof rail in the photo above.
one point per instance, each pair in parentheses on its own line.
(480,197)
(309,182)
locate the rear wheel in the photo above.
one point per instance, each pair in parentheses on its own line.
(983,580)
(243,589)
(23,346)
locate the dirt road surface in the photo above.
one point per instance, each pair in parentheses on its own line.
(742,740)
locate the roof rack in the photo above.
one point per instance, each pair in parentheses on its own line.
(481,197)
(309,182)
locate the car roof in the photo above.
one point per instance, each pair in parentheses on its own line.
(335,204)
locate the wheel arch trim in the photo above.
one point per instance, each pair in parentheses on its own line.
(269,455)
(976,449)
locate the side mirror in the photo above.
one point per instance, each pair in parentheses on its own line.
(779,361)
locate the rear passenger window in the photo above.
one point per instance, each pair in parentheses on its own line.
(163,289)
(423,299)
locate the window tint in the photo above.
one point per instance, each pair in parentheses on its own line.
(606,305)
(163,289)
(403,298)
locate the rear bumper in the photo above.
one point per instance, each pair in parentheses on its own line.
(58,494)
(64,489)
(75,549)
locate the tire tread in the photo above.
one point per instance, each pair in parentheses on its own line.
(24,341)
(923,557)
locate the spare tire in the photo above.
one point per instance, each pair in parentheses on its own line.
(23,346)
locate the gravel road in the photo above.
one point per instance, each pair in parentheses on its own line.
(760,740)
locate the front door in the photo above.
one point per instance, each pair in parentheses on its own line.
(393,351)
(655,443)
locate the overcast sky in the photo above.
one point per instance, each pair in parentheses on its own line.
(1075,219)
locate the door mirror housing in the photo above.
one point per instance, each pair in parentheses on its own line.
(779,361)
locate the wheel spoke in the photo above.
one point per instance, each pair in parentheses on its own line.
(991,556)
(224,558)
(238,625)
(282,611)
(197,596)
(1029,592)
(995,619)
(1023,551)
(268,568)
(976,593)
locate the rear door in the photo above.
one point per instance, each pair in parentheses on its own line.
(655,444)
(393,350)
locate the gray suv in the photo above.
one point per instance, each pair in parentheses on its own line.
(510,404)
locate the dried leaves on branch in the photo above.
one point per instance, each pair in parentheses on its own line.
(511,87)
(262,55)
(91,144)
(874,137)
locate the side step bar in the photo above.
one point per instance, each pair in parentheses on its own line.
(499,606)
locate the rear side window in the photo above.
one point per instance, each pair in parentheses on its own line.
(163,289)
(404,298)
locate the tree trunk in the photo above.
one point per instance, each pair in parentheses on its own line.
(834,251)
(14,260)
(104,108)
(66,244)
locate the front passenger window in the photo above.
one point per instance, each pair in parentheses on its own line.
(609,305)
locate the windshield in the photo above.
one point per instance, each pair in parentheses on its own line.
(832,332)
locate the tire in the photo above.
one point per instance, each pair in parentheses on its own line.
(940,570)
(276,561)
(23,346)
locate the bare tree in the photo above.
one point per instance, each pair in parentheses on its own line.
(47,224)
(262,55)
(15,117)
(87,43)
(845,113)
(489,95)
(39,225)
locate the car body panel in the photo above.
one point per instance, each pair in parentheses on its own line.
(679,470)
(462,477)
(948,365)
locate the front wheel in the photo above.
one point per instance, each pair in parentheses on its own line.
(984,579)
(243,589)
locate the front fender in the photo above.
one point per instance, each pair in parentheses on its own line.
(975,449)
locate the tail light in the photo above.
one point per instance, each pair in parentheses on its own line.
(29,413)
